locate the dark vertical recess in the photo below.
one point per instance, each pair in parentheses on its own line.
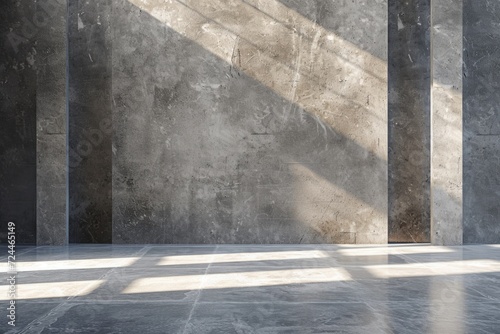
(89,125)
(409,121)
(18,120)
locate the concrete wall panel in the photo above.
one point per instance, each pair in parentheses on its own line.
(249,122)
(481,121)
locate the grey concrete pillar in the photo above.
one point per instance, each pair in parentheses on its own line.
(446,122)
(481,110)
(50,20)
(17,120)
(89,123)
(409,109)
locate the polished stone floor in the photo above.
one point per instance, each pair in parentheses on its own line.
(255,289)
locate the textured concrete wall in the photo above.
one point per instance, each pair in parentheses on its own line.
(32,143)
(481,112)
(446,118)
(18,119)
(409,121)
(90,128)
(51,123)
(249,122)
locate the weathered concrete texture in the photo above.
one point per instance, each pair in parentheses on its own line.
(446,118)
(89,156)
(481,111)
(409,121)
(18,120)
(362,23)
(481,189)
(247,122)
(51,123)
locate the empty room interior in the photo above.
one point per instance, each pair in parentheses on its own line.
(250,166)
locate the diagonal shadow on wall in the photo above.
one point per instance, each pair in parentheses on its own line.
(224,137)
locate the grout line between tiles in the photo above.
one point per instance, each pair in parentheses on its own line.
(188,321)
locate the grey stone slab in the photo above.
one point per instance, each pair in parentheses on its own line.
(227,134)
(18,120)
(481,120)
(51,124)
(455,255)
(481,189)
(409,121)
(106,249)
(368,260)
(90,127)
(478,248)
(25,314)
(55,286)
(284,318)
(460,317)
(149,283)
(51,190)
(20,250)
(438,257)
(446,118)
(270,263)
(251,248)
(442,289)
(360,29)
(177,257)
(40,275)
(121,318)
(277,285)
(484,286)
(165,250)
(481,65)
(438,290)
(51,68)
(63,253)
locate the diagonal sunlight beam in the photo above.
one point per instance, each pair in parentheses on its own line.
(308,276)
(71,264)
(240,257)
(237,280)
(433,269)
(329,77)
(51,290)
(393,251)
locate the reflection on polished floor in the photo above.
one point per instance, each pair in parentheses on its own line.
(256,289)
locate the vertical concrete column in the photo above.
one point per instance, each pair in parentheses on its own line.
(481,117)
(409,121)
(18,120)
(446,123)
(50,18)
(89,124)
